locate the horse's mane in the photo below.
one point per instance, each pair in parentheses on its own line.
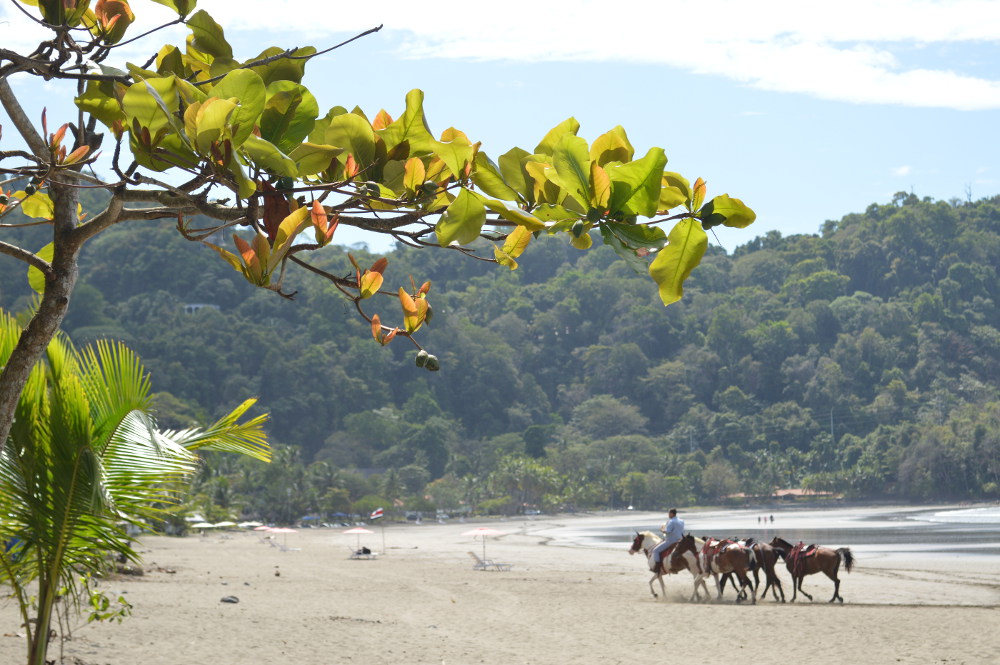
(650,534)
(783,543)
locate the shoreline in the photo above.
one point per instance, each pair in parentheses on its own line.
(422,603)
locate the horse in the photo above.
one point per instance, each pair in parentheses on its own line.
(767,558)
(719,557)
(684,556)
(802,561)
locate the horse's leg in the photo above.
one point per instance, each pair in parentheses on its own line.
(663,589)
(777,585)
(753,590)
(836,583)
(801,579)
(655,575)
(718,585)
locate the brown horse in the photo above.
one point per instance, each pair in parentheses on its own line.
(719,557)
(802,561)
(683,557)
(767,558)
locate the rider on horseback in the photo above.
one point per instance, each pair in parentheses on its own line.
(672,531)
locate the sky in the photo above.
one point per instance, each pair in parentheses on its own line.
(806,111)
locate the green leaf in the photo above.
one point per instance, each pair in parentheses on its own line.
(208,36)
(637,236)
(572,168)
(555,135)
(638,264)
(99,101)
(726,211)
(182,7)
(673,264)
(462,221)
(311,158)
(36,279)
(548,212)
(486,177)
(456,153)
(355,135)
(411,127)
(676,191)
(152,102)
(248,88)
(282,69)
(207,124)
(515,215)
(267,156)
(512,170)
(612,146)
(289,114)
(635,187)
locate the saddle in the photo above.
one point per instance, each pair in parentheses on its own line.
(664,557)
(797,557)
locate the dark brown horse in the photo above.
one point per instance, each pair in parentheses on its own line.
(684,556)
(767,559)
(802,560)
(719,557)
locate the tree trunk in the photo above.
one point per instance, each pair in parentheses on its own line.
(51,310)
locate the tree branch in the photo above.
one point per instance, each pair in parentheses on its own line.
(26,256)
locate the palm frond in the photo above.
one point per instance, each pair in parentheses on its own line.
(229,435)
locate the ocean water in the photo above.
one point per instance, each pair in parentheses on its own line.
(966,531)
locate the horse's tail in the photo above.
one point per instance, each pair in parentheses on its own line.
(846,557)
(752,558)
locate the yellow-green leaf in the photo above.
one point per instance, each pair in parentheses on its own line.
(612,146)
(551,140)
(36,279)
(36,206)
(371,282)
(247,88)
(686,244)
(462,221)
(267,156)
(726,211)
(311,158)
(676,191)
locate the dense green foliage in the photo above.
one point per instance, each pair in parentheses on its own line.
(860,360)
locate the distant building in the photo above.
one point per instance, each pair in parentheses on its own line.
(195,307)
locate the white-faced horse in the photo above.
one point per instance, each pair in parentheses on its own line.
(683,557)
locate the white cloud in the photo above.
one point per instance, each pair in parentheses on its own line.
(901,171)
(846,51)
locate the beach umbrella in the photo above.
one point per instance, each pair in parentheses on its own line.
(483,532)
(358,530)
(225,524)
(262,527)
(282,529)
(248,525)
(203,525)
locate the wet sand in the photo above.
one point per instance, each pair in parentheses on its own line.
(567,598)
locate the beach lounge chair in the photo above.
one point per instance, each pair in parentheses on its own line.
(480,563)
(363,553)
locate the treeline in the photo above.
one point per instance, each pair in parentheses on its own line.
(861,360)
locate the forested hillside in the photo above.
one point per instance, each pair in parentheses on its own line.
(861,360)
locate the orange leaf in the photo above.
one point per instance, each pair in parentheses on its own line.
(382,120)
(319,218)
(377,328)
(424,288)
(77,155)
(379,266)
(351,168)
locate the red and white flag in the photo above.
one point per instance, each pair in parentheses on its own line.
(377,513)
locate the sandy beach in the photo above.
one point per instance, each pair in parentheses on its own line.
(566,599)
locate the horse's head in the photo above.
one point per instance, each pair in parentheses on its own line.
(636,543)
(782,547)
